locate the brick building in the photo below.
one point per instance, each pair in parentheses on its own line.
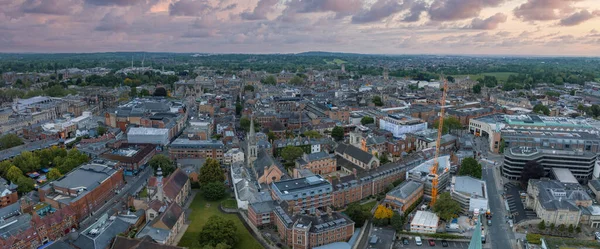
(318,163)
(7,196)
(84,190)
(186,148)
(404,196)
(131,157)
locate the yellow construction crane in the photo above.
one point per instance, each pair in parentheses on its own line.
(434,168)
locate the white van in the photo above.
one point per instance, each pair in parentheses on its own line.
(418,241)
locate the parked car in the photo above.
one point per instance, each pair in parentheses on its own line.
(444,243)
(418,241)
(432,242)
(405,241)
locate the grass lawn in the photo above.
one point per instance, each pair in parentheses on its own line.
(201,211)
(229,203)
(369,205)
(335,61)
(500,76)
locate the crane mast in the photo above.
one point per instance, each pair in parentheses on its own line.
(434,168)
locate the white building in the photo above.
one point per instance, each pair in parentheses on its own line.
(470,193)
(232,156)
(399,125)
(145,135)
(424,222)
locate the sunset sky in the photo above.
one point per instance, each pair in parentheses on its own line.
(500,27)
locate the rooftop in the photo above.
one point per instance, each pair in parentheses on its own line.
(405,189)
(300,184)
(187,143)
(147,131)
(469,185)
(424,218)
(83,179)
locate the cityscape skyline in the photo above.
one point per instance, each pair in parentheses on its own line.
(470,27)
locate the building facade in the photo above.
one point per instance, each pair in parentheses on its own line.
(186,148)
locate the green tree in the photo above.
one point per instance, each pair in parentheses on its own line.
(383,159)
(4,166)
(53,174)
(271,135)
(214,191)
(542,226)
(450,79)
(133,93)
(101,130)
(13,173)
(312,134)
(561,228)
(160,91)
(27,162)
(238,108)
(245,124)
(367,120)
(470,167)
(211,172)
(541,109)
(337,133)
(164,162)
(571,229)
(477,89)
(377,101)
(445,207)
(450,123)
(531,170)
(397,222)
(291,153)
(502,146)
(9,141)
(26,184)
(270,80)
(552,226)
(572,92)
(595,109)
(357,213)
(218,230)
(297,80)
(578,229)
(249,88)
(144,92)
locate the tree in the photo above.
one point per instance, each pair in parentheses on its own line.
(572,92)
(542,226)
(383,212)
(270,80)
(450,123)
(445,207)
(238,108)
(218,230)
(477,89)
(27,162)
(312,134)
(502,146)
(144,92)
(214,191)
(13,173)
(211,172)
(595,109)
(450,79)
(531,170)
(245,124)
(578,229)
(164,162)
(337,133)
(291,153)
(377,101)
(561,228)
(397,221)
(4,166)
(296,80)
(78,81)
(133,93)
(541,109)
(26,184)
(271,136)
(101,130)
(160,91)
(571,229)
(367,120)
(9,141)
(383,159)
(249,88)
(53,174)
(552,226)
(357,213)
(470,167)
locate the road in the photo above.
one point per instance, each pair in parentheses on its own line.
(134,183)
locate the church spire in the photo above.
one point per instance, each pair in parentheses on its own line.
(252,134)
(159,186)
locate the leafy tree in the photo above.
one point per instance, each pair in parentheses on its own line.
(470,167)
(160,91)
(397,221)
(561,228)
(595,109)
(383,212)
(271,135)
(312,134)
(383,159)
(101,130)
(4,166)
(578,229)
(9,141)
(476,89)
(531,170)
(214,191)
(53,174)
(245,124)
(572,92)
(249,88)
(450,123)
(27,162)
(377,101)
(238,108)
(13,173)
(541,226)
(450,79)
(502,146)
(133,93)
(337,133)
(164,162)
(552,226)
(211,172)
(445,207)
(270,80)
(218,230)
(357,213)
(144,92)
(541,109)
(291,153)
(296,80)
(367,120)
(571,229)
(78,81)
(26,184)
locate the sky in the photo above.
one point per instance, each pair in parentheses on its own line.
(470,27)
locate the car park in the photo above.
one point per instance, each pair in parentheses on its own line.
(444,243)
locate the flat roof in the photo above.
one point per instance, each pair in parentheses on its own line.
(299,184)
(469,185)
(147,131)
(424,218)
(564,175)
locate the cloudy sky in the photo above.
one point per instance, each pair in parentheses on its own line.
(515,27)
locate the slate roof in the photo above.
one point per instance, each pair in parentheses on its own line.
(171,215)
(104,239)
(86,177)
(263,207)
(174,183)
(405,189)
(354,152)
(554,195)
(143,243)
(595,183)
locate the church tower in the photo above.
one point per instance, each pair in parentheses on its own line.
(252,152)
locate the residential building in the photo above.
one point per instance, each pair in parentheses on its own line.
(404,195)
(266,169)
(464,115)
(303,194)
(164,228)
(8,196)
(100,234)
(424,222)
(186,148)
(232,156)
(399,125)
(84,189)
(470,193)
(318,163)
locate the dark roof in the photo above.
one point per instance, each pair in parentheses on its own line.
(595,184)
(263,207)
(104,239)
(175,183)
(171,215)
(59,245)
(354,152)
(144,243)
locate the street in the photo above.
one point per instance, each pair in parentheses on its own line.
(134,183)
